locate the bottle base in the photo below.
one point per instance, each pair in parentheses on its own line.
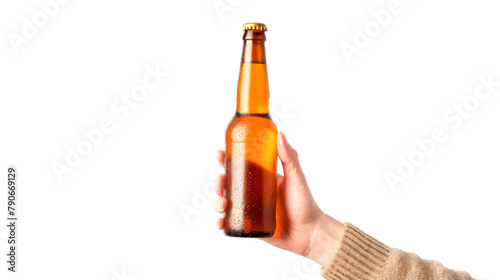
(235,233)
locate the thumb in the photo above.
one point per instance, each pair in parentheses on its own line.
(290,160)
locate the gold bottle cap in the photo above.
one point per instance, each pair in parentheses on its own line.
(254,26)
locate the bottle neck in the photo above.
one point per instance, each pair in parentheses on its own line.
(253,87)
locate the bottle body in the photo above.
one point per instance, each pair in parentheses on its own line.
(251,154)
(250,177)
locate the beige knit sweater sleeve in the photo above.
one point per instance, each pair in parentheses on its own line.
(359,256)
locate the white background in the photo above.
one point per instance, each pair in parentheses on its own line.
(119,213)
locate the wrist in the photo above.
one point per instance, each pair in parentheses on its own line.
(324,239)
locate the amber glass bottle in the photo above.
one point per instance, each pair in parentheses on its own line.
(251,153)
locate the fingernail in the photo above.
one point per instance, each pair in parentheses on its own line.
(284,139)
(220,204)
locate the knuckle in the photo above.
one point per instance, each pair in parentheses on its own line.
(295,155)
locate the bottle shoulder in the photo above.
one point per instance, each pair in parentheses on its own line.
(245,127)
(252,121)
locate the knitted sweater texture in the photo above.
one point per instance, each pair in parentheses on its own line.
(360,256)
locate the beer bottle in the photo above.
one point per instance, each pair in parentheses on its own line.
(251,153)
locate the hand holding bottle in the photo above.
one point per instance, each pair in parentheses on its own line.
(301,226)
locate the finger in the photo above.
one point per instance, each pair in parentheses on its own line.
(219,183)
(220,155)
(289,158)
(219,204)
(219,223)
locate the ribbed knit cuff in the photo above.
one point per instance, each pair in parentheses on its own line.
(358,256)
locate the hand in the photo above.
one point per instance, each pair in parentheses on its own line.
(301,227)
